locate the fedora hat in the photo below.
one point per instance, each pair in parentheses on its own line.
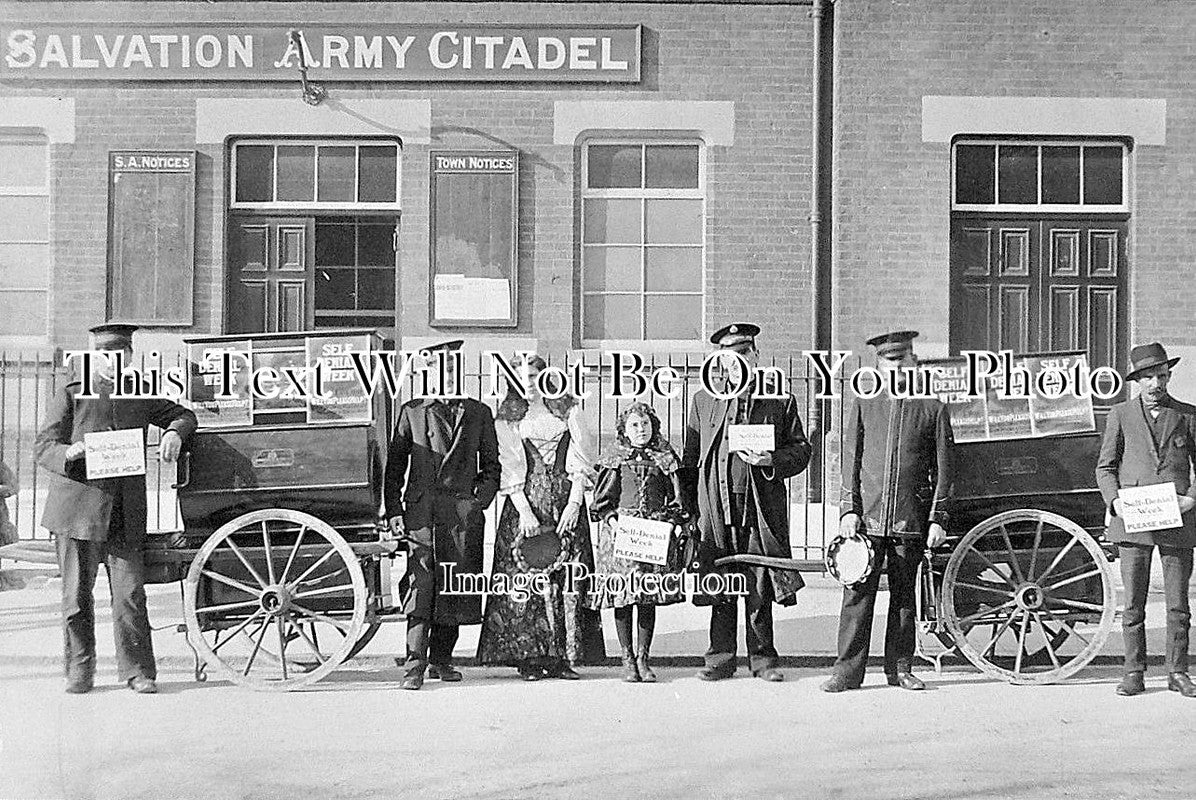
(1145,356)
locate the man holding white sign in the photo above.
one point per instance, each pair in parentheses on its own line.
(1145,475)
(739,492)
(96,507)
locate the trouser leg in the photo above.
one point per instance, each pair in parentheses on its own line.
(1135,576)
(78,560)
(762,654)
(1177,573)
(855,624)
(130,618)
(443,639)
(901,633)
(723,618)
(418,635)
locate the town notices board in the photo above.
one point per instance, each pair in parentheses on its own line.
(474,260)
(151,236)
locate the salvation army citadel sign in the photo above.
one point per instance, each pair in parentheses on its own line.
(366,52)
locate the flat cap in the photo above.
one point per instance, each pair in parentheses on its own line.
(449,346)
(113,332)
(735,335)
(893,344)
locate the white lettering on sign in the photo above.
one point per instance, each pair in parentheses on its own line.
(475,163)
(151,162)
(156,51)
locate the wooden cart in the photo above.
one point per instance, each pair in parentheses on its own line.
(284,561)
(1024,589)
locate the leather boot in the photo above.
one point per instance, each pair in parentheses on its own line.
(631,673)
(646,673)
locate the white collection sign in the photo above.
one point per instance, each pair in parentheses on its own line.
(642,539)
(759,438)
(1149,508)
(115,454)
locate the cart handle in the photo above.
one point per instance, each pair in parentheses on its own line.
(184,470)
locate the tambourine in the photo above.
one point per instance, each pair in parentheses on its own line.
(850,559)
(546,552)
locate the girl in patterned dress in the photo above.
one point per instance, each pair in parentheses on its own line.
(638,479)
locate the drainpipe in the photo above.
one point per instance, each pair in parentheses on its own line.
(822,13)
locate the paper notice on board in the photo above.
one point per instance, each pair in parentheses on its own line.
(461,297)
(1149,508)
(114,454)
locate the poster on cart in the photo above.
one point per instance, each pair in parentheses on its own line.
(340,395)
(219,401)
(1046,404)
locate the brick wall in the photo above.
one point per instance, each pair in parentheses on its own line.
(758,242)
(892,189)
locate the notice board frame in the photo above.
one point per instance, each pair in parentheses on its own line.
(186,250)
(434,317)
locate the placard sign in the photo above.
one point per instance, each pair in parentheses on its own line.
(474,220)
(1051,407)
(151,236)
(642,539)
(115,454)
(1149,508)
(757,438)
(206,363)
(341,395)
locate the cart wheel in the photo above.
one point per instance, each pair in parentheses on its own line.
(271,580)
(366,637)
(1028,597)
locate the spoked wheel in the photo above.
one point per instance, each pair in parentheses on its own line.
(1028,597)
(275,600)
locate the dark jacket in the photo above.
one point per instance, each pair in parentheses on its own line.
(897,465)
(442,472)
(705,441)
(1129,456)
(75,506)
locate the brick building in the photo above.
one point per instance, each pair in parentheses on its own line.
(1004,174)
(655,198)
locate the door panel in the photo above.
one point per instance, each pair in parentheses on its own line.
(1035,284)
(269,271)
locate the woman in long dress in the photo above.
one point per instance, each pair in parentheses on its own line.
(639,479)
(546,468)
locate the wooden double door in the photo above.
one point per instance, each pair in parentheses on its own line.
(1032,284)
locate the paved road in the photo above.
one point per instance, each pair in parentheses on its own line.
(355,735)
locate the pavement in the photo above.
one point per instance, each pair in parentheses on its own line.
(494,737)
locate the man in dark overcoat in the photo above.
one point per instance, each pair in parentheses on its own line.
(896,484)
(103,521)
(1149,440)
(442,472)
(743,505)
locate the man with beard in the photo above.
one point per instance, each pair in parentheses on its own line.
(742,502)
(896,480)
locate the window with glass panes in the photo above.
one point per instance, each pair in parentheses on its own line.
(315,174)
(354,272)
(643,241)
(24,234)
(1042,176)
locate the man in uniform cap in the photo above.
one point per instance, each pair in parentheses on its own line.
(896,481)
(1149,440)
(442,472)
(103,520)
(743,505)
